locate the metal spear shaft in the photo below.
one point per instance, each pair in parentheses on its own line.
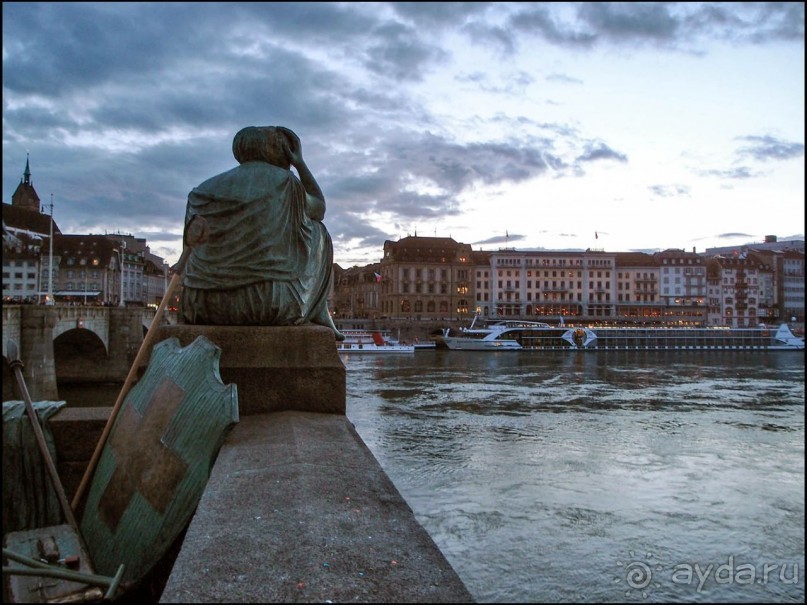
(196,233)
(17,366)
(38,568)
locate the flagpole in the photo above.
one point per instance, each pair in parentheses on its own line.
(49,300)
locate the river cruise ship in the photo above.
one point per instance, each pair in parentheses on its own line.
(371,341)
(515,335)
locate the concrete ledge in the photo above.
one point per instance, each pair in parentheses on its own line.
(297,509)
(275,367)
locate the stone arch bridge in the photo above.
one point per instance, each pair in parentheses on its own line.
(81,344)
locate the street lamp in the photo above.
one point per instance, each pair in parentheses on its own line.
(120,259)
(83,263)
(49,298)
(165,278)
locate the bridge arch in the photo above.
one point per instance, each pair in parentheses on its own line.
(78,354)
(94,343)
(93,319)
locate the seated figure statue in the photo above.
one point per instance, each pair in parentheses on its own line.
(268,259)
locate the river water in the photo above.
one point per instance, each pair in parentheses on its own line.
(624,476)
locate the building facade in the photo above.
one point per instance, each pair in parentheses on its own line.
(433,278)
(682,287)
(356,292)
(26,233)
(426,278)
(439,278)
(740,291)
(114,269)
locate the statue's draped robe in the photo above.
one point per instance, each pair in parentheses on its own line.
(266,262)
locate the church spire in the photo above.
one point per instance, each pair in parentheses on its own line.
(25,196)
(26,176)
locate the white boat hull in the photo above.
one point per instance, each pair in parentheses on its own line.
(516,336)
(470,344)
(371,341)
(373,348)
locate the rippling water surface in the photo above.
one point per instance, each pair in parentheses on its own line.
(639,476)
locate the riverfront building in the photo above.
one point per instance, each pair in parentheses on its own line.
(26,233)
(426,278)
(111,269)
(440,279)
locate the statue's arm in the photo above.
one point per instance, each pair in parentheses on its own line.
(315,200)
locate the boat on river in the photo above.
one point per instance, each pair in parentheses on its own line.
(371,341)
(518,335)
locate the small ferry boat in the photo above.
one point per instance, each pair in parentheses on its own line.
(516,335)
(371,341)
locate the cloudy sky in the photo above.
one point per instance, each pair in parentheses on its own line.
(527,125)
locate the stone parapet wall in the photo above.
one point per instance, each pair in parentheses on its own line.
(275,367)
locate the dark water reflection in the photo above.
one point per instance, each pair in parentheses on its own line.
(557,477)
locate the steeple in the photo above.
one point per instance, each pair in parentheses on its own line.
(25,196)
(26,176)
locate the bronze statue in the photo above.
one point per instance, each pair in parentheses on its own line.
(268,259)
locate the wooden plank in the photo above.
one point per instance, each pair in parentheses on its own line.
(37,589)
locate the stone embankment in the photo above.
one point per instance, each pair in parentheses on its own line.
(297,509)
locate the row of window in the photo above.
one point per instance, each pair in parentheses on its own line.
(18,275)
(83,261)
(407,306)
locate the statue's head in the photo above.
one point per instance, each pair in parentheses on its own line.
(261,143)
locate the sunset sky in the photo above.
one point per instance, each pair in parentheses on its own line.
(527,125)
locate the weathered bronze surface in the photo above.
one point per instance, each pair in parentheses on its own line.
(268,259)
(155,465)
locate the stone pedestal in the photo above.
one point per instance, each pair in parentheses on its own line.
(275,368)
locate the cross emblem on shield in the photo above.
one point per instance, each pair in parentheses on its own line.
(155,465)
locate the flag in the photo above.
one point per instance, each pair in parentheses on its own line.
(377,276)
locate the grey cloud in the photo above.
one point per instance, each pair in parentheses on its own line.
(756,22)
(500,38)
(767,147)
(594,151)
(307,23)
(737,173)
(666,25)
(70,47)
(398,54)
(507,84)
(733,235)
(500,239)
(536,19)
(563,79)
(354,232)
(669,190)
(125,107)
(440,14)
(634,21)
(380,180)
